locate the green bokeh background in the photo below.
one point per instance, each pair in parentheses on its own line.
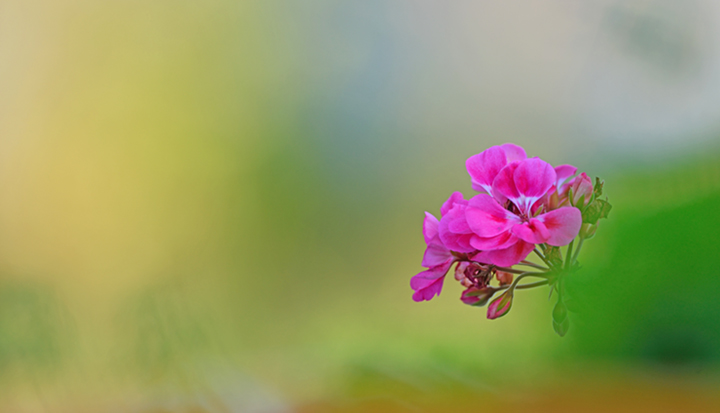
(217,206)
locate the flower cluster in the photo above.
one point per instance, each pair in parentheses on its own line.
(524,205)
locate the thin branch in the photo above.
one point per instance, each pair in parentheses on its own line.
(532,264)
(577,251)
(510,270)
(542,257)
(526,286)
(569,254)
(532,285)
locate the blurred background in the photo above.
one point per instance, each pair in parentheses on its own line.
(216,206)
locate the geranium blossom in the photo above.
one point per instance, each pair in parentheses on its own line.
(520,184)
(524,205)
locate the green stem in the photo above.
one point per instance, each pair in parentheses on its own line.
(532,285)
(569,254)
(510,270)
(542,257)
(577,251)
(514,271)
(523,275)
(532,264)
(526,286)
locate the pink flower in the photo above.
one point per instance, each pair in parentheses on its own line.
(484,167)
(450,234)
(437,258)
(453,230)
(509,233)
(563,173)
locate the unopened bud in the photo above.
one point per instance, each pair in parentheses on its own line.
(561,323)
(559,312)
(500,306)
(582,190)
(561,328)
(477,297)
(587,231)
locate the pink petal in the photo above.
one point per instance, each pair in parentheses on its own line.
(454,231)
(456,221)
(524,182)
(503,240)
(428,284)
(455,198)
(506,257)
(487,218)
(513,152)
(436,255)
(430,227)
(456,242)
(564,172)
(504,183)
(563,223)
(533,178)
(484,167)
(534,231)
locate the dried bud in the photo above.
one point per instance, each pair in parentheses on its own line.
(504,278)
(500,306)
(472,274)
(477,297)
(460,270)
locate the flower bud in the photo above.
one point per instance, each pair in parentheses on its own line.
(477,297)
(561,328)
(500,306)
(582,190)
(561,323)
(559,312)
(587,231)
